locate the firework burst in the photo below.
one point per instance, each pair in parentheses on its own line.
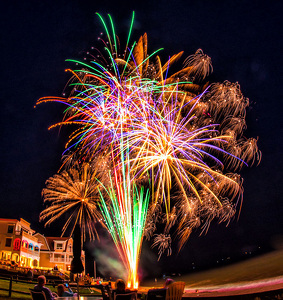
(73,193)
(151,134)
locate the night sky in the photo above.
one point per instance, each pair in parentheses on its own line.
(244,40)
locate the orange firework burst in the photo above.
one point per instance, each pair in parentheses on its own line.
(73,193)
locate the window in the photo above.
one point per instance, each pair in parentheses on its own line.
(35,263)
(18,230)
(10,229)
(59,246)
(8,242)
(17,244)
(24,244)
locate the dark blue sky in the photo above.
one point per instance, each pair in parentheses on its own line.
(244,40)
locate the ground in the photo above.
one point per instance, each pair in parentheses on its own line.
(259,274)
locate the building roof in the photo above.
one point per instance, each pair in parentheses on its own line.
(42,240)
(8,220)
(50,241)
(21,220)
(24,224)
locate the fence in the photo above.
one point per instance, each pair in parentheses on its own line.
(23,285)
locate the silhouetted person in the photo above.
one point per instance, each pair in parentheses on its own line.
(41,288)
(159,293)
(30,275)
(167,282)
(120,288)
(64,291)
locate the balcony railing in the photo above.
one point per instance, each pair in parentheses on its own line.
(29,251)
(61,259)
(57,259)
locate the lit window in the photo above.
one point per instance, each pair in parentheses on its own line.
(17,244)
(24,244)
